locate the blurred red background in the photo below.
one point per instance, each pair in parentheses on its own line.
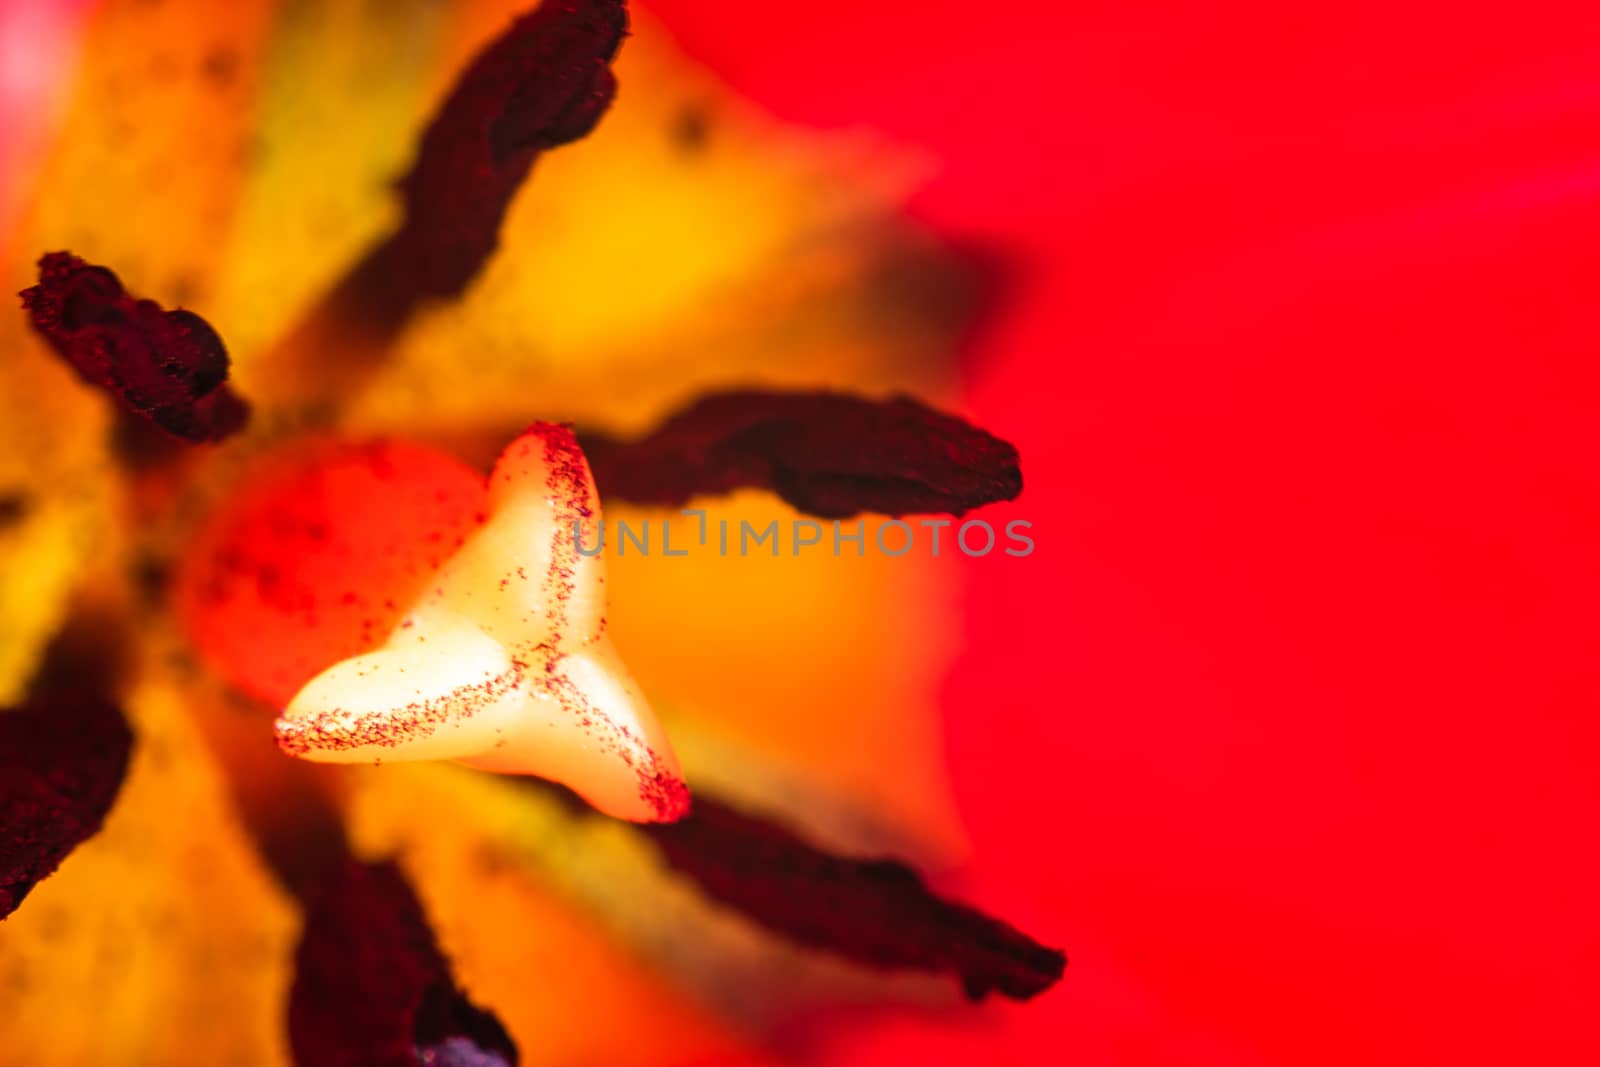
(1286,730)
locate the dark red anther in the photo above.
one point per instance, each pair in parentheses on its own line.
(827,454)
(876,912)
(62,758)
(169,367)
(544,82)
(371,987)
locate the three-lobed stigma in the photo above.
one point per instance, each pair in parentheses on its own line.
(504,662)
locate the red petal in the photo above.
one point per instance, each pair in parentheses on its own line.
(62,758)
(827,454)
(168,366)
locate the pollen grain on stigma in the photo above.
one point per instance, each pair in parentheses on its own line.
(504,662)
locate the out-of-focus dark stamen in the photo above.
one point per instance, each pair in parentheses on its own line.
(542,83)
(63,752)
(372,987)
(876,912)
(62,759)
